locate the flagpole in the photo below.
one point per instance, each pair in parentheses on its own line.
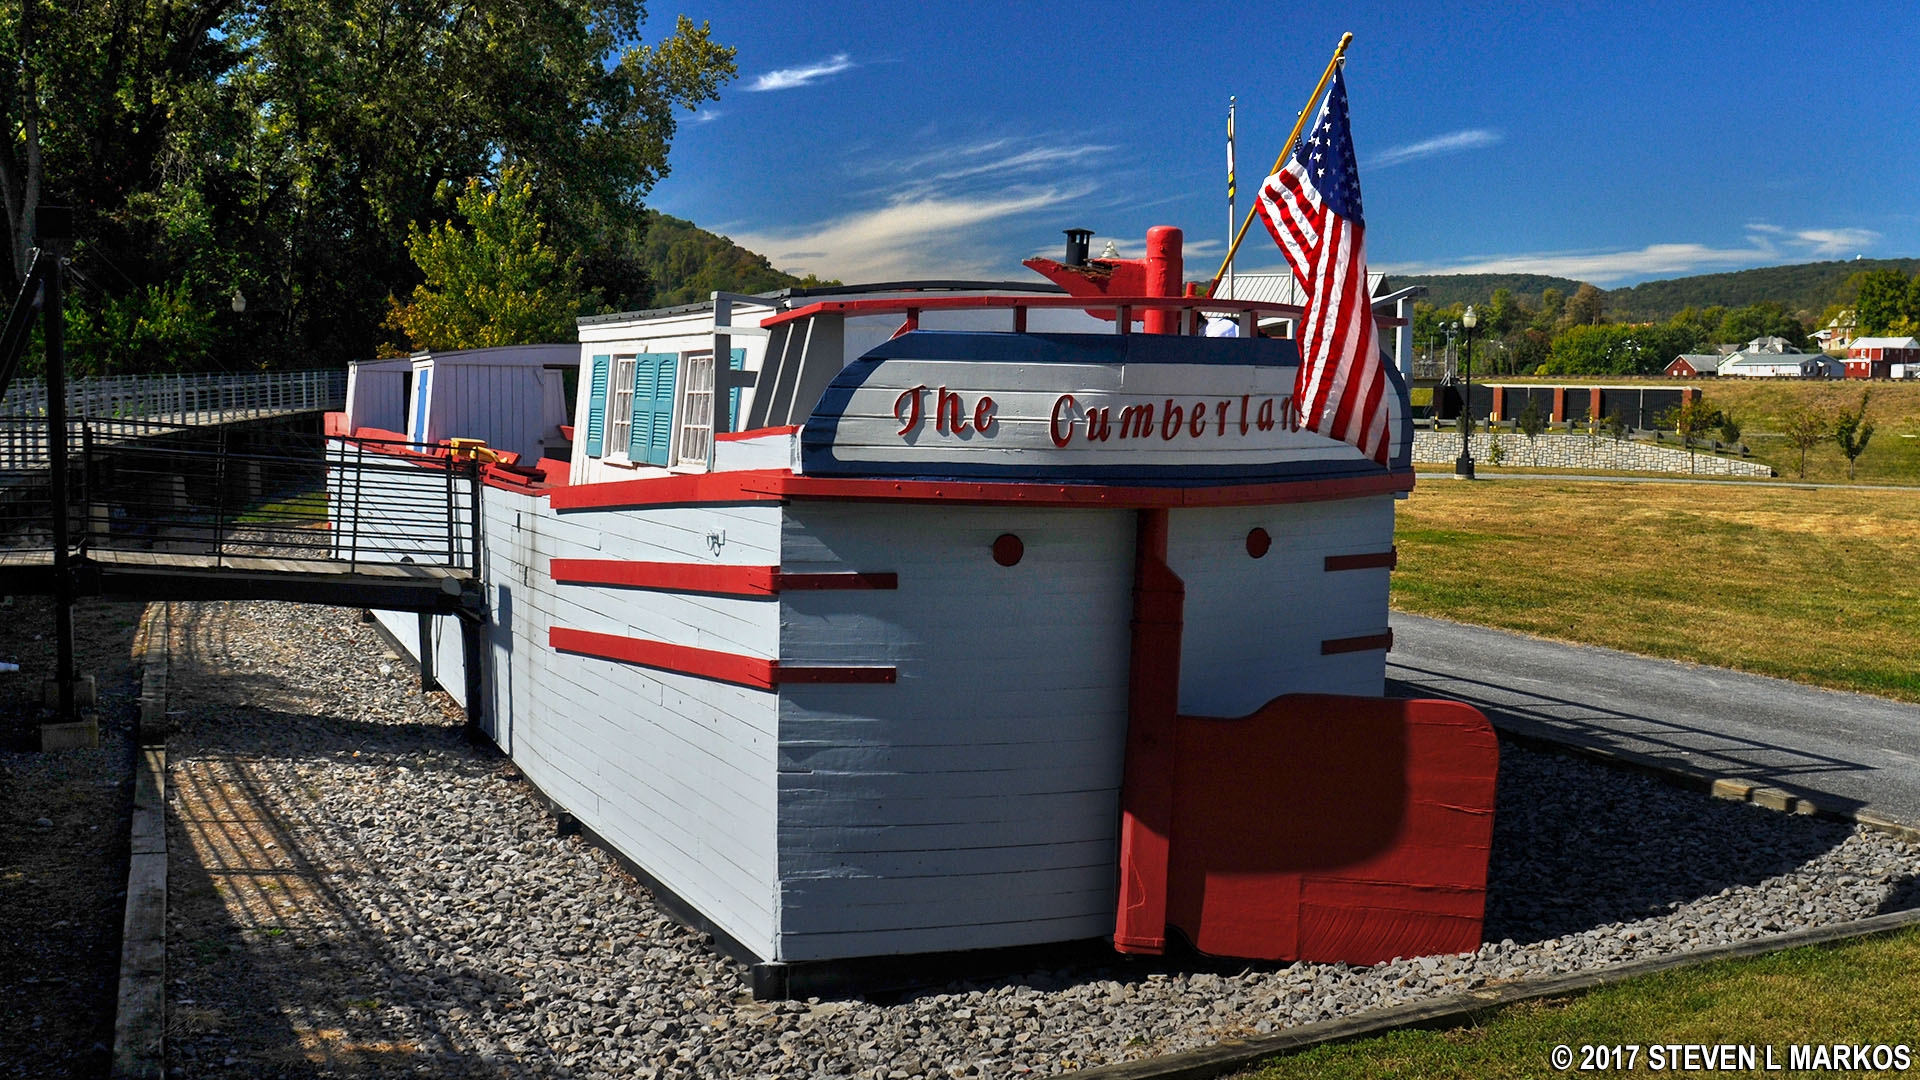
(1338,55)
(1233,214)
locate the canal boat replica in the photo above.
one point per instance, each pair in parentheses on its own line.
(932,618)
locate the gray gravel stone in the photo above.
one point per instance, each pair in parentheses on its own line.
(446,917)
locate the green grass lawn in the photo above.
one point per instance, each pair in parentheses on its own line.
(1814,585)
(1857,993)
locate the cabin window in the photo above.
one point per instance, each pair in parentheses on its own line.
(620,408)
(696,410)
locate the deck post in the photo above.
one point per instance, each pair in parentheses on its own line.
(66,729)
(427,681)
(472,656)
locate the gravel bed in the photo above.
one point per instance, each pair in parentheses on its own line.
(386,900)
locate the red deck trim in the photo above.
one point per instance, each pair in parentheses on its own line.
(1364,643)
(677,489)
(750,671)
(904,304)
(771,485)
(707,578)
(757,433)
(1389,559)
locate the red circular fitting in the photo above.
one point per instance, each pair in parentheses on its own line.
(1007,549)
(1258,542)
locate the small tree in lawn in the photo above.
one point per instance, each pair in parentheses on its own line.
(1688,420)
(1729,429)
(1852,430)
(1532,422)
(1616,424)
(1804,428)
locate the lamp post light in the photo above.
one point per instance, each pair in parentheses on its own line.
(1463,468)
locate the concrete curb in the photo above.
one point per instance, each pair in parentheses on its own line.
(1232,1055)
(140,1020)
(1692,779)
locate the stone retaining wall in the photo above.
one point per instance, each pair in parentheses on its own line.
(1579,451)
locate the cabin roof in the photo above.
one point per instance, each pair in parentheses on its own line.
(775,296)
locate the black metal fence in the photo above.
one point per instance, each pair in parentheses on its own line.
(255,490)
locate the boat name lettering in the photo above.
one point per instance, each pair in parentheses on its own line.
(1217,417)
(950,412)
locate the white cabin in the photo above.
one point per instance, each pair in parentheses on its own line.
(511,396)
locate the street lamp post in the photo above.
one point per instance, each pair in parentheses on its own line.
(1463,467)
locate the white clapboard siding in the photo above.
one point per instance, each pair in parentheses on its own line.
(676,772)
(1253,627)
(377,394)
(1002,739)
(506,396)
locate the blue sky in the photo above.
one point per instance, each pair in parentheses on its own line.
(1612,143)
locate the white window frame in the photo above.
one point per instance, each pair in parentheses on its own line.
(619,420)
(693,396)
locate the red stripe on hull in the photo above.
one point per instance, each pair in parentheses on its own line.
(750,671)
(705,578)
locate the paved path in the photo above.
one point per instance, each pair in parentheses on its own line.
(1677,478)
(1846,752)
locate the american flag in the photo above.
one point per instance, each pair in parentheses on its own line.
(1312,208)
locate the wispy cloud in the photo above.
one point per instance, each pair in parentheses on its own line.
(1452,142)
(908,237)
(789,78)
(1766,244)
(1836,242)
(707,116)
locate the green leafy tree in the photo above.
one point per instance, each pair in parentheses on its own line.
(1729,429)
(500,283)
(1532,422)
(1805,427)
(1584,308)
(1852,430)
(283,150)
(1765,319)
(1881,303)
(1615,424)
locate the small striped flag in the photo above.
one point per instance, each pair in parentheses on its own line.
(1312,208)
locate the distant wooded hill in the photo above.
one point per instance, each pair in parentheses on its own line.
(1805,289)
(687,264)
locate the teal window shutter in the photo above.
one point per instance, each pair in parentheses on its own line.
(661,450)
(597,406)
(651,439)
(640,433)
(737,363)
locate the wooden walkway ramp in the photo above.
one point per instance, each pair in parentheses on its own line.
(155,575)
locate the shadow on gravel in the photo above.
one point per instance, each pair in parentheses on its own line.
(290,953)
(1600,845)
(1904,896)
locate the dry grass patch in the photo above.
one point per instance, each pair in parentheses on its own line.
(1810,585)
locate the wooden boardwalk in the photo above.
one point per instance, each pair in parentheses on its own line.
(158,575)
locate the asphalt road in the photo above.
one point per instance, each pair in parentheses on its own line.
(1844,751)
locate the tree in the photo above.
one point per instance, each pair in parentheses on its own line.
(1881,303)
(1804,428)
(283,150)
(1852,430)
(1688,420)
(500,284)
(1616,424)
(1765,319)
(1584,308)
(1532,422)
(1729,429)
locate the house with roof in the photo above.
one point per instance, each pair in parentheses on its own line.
(1838,333)
(1695,366)
(1875,357)
(1776,358)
